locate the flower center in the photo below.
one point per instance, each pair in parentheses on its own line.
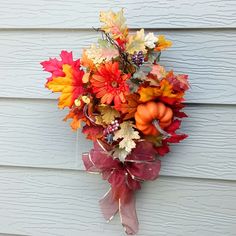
(114,84)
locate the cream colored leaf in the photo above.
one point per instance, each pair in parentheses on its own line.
(136,42)
(120,153)
(128,135)
(114,23)
(99,55)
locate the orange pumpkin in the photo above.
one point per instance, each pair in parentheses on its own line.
(148,112)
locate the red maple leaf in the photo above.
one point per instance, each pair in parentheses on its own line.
(179,82)
(93,132)
(174,138)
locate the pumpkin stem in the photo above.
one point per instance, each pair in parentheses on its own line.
(158,127)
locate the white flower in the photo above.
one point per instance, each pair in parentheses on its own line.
(150,40)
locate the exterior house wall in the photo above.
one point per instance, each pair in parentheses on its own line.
(44,189)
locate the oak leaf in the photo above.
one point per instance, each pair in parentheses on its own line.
(128,135)
(99,54)
(120,153)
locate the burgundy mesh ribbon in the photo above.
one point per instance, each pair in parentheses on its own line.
(124,178)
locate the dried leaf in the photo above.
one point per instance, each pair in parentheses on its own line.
(153,56)
(130,107)
(174,138)
(163,150)
(99,120)
(108,113)
(156,140)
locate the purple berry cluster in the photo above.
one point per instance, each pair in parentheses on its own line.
(138,58)
(110,129)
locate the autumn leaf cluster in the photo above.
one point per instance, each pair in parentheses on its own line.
(114,76)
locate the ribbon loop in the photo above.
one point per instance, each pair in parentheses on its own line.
(124,178)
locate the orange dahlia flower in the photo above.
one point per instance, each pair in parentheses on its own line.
(109,84)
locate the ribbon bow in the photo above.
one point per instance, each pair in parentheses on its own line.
(124,177)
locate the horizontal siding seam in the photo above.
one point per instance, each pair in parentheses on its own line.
(55,99)
(59,169)
(223,28)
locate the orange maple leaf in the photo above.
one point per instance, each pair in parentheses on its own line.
(130,107)
(162,43)
(86,62)
(77,116)
(70,85)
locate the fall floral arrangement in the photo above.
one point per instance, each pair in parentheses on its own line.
(130,107)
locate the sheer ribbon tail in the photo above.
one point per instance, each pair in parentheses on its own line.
(108,206)
(129,217)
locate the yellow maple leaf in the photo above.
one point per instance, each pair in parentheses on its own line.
(162,43)
(70,86)
(167,90)
(136,42)
(114,23)
(149,93)
(108,113)
(168,94)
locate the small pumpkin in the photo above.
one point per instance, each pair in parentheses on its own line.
(148,112)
